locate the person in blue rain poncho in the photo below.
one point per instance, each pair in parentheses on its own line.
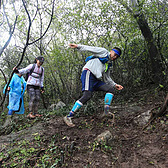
(16,91)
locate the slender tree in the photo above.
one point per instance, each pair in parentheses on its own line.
(136,10)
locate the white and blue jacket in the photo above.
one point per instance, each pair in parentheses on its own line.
(95,65)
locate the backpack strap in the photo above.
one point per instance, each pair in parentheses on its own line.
(41,71)
(103,60)
(32,69)
(108,65)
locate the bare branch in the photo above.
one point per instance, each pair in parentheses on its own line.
(10,36)
(11,31)
(48,25)
(24,50)
(26,45)
(7,18)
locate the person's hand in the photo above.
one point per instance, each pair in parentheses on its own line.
(72,45)
(14,68)
(118,87)
(42,90)
(8,88)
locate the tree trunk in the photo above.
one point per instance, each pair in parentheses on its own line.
(154,54)
(161,112)
(135,9)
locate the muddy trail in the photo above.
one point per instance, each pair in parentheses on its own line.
(48,142)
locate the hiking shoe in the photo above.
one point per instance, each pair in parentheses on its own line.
(31,116)
(108,115)
(68,121)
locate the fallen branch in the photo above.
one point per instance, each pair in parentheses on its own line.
(161,112)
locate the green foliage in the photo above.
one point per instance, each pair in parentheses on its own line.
(90,108)
(103,146)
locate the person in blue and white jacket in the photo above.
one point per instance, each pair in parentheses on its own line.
(96,68)
(34,84)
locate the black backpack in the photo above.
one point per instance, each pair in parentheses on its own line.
(31,71)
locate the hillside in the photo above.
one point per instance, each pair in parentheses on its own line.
(48,142)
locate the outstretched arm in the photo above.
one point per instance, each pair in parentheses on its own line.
(97,51)
(72,45)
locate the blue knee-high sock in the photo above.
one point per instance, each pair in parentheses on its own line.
(107,101)
(75,108)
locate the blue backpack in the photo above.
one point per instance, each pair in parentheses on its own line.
(104,60)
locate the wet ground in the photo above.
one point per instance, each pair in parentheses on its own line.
(54,144)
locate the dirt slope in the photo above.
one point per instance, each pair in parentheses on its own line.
(48,142)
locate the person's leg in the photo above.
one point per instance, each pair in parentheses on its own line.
(10,112)
(108,97)
(87,88)
(86,96)
(36,102)
(31,92)
(75,108)
(79,103)
(107,102)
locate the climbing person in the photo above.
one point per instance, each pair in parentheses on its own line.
(34,84)
(16,90)
(96,67)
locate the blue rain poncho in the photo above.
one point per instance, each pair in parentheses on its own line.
(16,93)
